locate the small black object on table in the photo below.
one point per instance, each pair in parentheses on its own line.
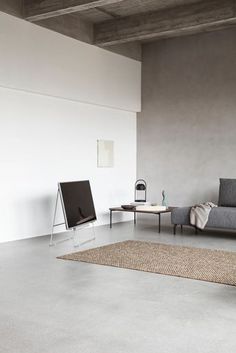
(135,211)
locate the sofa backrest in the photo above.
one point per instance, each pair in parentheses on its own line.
(227,193)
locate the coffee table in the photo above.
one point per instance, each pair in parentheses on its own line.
(134,211)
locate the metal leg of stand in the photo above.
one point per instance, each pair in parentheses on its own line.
(54,218)
(73,238)
(94,234)
(52,243)
(78,243)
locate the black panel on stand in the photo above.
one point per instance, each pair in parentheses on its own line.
(77,201)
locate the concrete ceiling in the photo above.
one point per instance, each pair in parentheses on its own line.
(129,8)
(117,23)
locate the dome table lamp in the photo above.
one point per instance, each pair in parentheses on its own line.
(140,191)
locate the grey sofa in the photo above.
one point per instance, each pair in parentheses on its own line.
(223,216)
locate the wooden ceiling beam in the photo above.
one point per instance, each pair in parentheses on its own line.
(36,10)
(195,18)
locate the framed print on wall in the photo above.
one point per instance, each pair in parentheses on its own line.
(105,153)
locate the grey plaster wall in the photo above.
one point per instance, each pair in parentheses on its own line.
(187,128)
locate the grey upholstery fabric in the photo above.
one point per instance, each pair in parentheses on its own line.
(223,216)
(227,194)
(181,215)
(220,217)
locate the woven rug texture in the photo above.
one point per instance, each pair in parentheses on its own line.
(196,263)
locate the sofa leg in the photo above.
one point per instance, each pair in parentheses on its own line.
(174,229)
(182,228)
(196,232)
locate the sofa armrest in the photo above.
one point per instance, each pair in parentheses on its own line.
(181,215)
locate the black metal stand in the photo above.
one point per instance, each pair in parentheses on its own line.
(174,229)
(110,218)
(182,227)
(135,219)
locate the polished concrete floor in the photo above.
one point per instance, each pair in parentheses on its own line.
(54,306)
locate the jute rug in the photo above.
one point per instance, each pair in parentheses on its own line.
(203,264)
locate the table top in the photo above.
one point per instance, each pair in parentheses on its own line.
(169,209)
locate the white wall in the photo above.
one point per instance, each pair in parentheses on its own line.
(45,139)
(39,60)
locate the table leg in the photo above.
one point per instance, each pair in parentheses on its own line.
(110,219)
(134,218)
(159,226)
(174,229)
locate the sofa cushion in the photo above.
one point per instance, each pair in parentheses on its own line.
(227,193)
(222,217)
